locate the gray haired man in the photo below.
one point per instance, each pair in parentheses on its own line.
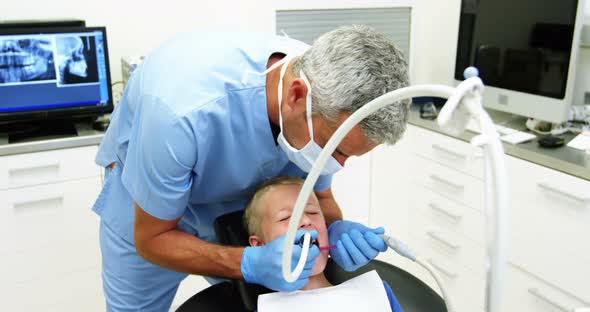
(199,128)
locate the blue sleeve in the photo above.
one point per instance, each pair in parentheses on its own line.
(395,306)
(323,183)
(160,159)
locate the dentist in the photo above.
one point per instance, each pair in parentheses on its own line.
(207,118)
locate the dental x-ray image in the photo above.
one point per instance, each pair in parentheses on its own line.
(26,59)
(76,59)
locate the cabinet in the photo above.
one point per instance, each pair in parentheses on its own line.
(428,190)
(48,233)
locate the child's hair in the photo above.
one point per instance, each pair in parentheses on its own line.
(251,214)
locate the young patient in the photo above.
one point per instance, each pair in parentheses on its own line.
(267,217)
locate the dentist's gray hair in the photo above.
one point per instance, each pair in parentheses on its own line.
(350,66)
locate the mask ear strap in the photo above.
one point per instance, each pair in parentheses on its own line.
(273,67)
(308,104)
(284,61)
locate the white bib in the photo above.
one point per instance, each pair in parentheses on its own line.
(362,293)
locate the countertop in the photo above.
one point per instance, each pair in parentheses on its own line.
(85,135)
(565,159)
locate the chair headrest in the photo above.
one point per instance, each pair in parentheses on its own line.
(230,231)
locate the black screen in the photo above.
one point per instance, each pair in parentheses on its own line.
(520,45)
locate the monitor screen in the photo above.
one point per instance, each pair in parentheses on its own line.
(54,70)
(522,45)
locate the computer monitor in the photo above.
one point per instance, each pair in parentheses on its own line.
(48,73)
(526,52)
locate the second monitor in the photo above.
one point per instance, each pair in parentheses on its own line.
(526,52)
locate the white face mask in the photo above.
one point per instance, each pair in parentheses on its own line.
(306,156)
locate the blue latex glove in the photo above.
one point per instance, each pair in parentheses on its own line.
(355,243)
(263,265)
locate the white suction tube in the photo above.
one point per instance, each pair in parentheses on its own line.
(464,102)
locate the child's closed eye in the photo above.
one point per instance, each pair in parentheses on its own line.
(285,218)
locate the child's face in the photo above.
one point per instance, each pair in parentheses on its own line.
(276,206)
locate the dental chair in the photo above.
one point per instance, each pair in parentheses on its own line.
(238,296)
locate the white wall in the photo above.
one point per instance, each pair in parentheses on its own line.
(435,38)
(136,27)
(352,188)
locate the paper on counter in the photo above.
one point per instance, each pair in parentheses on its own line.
(517,137)
(473,126)
(581,141)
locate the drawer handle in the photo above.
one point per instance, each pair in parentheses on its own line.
(442,269)
(457,186)
(477,154)
(454,216)
(13,171)
(437,237)
(23,205)
(535,292)
(559,191)
(448,151)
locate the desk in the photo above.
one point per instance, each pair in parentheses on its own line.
(48,232)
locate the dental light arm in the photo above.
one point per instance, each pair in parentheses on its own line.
(463,102)
(374,105)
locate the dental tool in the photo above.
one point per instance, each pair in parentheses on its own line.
(464,103)
(315,242)
(305,245)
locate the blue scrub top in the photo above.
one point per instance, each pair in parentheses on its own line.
(191,136)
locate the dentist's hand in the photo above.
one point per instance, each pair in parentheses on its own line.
(263,265)
(355,243)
